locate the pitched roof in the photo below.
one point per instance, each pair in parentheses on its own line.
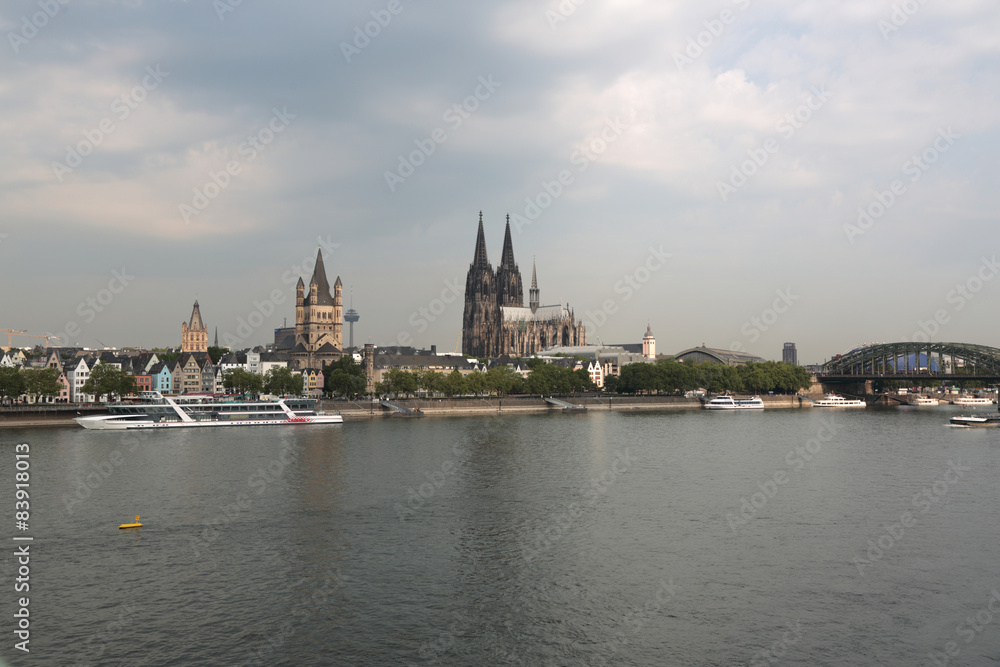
(444,363)
(323,296)
(731,357)
(195,324)
(540,314)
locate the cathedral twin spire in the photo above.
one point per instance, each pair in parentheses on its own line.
(507,258)
(481,260)
(489,329)
(510,291)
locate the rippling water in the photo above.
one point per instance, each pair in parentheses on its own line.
(604,538)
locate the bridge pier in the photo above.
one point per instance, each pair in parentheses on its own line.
(859,388)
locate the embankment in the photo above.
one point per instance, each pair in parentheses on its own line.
(528,404)
(32,416)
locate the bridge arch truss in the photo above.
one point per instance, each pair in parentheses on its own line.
(884,359)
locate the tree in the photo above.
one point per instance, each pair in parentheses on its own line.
(344,377)
(475,382)
(166,356)
(675,376)
(11,382)
(454,384)
(580,380)
(240,381)
(41,382)
(776,376)
(398,382)
(430,381)
(503,380)
(214,352)
(298,384)
(108,380)
(552,379)
(718,378)
(757,378)
(638,377)
(281,382)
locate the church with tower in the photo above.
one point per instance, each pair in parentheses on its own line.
(194,333)
(319,319)
(496,321)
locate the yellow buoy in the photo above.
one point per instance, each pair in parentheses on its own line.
(131,525)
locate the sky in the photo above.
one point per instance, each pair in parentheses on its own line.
(739,173)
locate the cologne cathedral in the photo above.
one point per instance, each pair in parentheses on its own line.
(497,323)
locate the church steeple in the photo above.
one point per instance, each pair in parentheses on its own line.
(533,292)
(507,259)
(194,333)
(481,260)
(509,290)
(482,313)
(323,296)
(196,324)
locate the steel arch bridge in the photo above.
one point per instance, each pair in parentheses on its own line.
(936,361)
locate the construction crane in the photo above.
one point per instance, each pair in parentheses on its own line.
(10,334)
(24,334)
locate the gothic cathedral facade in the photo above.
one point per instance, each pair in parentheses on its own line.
(497,323)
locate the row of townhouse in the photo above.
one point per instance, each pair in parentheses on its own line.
(190,373)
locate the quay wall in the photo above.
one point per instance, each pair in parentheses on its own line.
(528,404)
(34,416)
(46,415)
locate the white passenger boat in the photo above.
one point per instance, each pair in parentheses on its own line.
(834,401)
(726,402)
(156,411)
(972,401)
(924,400)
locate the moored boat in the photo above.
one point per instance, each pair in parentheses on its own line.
(972,401)
(834,401)
(924,400)
(156,411)
(727,402)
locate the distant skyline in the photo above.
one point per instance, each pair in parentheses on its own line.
(794,172)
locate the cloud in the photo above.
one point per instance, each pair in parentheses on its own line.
(561,81)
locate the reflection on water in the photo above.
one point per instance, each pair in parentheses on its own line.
(686,538)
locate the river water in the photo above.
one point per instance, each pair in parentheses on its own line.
(793,537)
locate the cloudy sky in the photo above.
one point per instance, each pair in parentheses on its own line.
(740,173)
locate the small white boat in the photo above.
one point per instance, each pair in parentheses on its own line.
(972,400)
(834,401)
(727,402)
(976,420)
(924,400)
